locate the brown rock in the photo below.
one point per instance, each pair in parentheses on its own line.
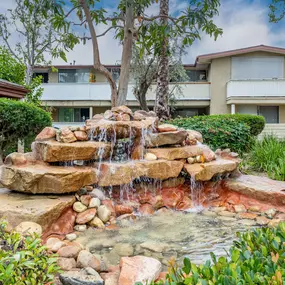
(146,209)
(97,223)
(204,172)
(110,205)
(183,152)
(172,197)
(86,216)
(142,115)
(274,223)
(66,264)
(54,244)
(166,138)
(67,136)
(166,128)
(87,259)
(122,209)
(239,208)
(262,221)
(185,204)
(16,159)
(85,199)
(41,209)
(122,109)
(47,133)
(259,188)
(42,178)
(98,117)
(157,202)
(29,228)
(81,135)
(112,277)
(194,135)
(123,117)
(173,182)
(53,151)
(138,269)
(249,216)
(69,251)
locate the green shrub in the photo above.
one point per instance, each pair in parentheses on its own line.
(219,132)
(256,123)
(267,155)
(20,120)
(257,257)
(24,261)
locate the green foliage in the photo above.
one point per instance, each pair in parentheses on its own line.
(24,261)
(10,69)
(36,91)
(219,131)
(257,257)
(256,123)
(267,155)
(20,120)
(277,11)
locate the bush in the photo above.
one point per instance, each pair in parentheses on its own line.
(267,155)
(24,261)
(256,123)
(219,132)
(257,257)
(20,120)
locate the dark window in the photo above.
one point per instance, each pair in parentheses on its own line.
(73,114)
(270,113)
(44,76)
(196,75)
(73,75)
(115,72)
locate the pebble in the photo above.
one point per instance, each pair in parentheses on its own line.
(71,236)
(274,223)
(69,251)
(262,221)
(240,208)
(86,216)
(94,203)
(87,259)
(29,228)
(104,213)
(54,244)
(226,214)
(79,207)
(150,156)
(270,213)
(66,264)
(97,223)
(85,200)
(98,193)
(80,228)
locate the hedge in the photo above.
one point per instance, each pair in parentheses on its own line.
(257,257)
(255,122)
(219,131)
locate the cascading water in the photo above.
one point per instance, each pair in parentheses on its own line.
(196,189)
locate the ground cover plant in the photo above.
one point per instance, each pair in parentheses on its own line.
(24,261)
(267,155)
(220,131)
(257,257)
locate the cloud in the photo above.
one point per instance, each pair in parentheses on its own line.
(244,24)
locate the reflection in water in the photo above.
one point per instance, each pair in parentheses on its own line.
(169,234)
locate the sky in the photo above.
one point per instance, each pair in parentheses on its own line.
(244,22)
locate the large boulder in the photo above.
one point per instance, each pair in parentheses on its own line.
(206,171)
(165,138)
(138,269)
(53,151)
(124,173)
(172,153)
(41,209)
(40,178)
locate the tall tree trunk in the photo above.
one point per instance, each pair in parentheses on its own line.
(162,91)
(1,155)
(140,94)
(126,55)
(96,55)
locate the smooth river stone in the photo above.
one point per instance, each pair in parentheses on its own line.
(53,151)
(46,179)
(206,171)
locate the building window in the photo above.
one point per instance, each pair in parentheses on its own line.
(44,76)
(196,75)
(73,114)
(270,113)
(257,67)
(116,71)
(73,75)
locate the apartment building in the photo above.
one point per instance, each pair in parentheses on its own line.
(248,80)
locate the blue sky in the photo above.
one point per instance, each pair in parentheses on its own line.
(245,23)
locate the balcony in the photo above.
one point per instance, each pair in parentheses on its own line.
(100,92)
(256,88)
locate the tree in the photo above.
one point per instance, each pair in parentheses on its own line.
(277,11)
(30,21)
(145,73)
(19,120)
(188,26)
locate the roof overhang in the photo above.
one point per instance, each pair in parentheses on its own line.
(12,90)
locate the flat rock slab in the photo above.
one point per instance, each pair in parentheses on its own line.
(205,171)
(172,153)
(124,173)
(259,188)
(42,178)
(119,129)
(41,209)
(53,151)
(166,138)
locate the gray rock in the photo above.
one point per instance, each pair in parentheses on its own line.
(124,249)
(98,193)
(80,278)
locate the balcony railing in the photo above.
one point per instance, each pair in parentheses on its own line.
(256,88)
(102,91)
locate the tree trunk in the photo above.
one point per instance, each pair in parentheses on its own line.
(29,74)
(96,55)
(126,55)
(1,156)
(162,91)
(141,96)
